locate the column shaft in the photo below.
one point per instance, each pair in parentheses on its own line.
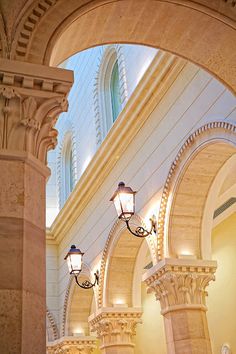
(187,332)
(31,98)
(22,259)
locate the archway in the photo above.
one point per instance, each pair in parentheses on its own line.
(187,186)
(203,34)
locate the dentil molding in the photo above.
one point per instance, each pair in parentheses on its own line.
(72,345)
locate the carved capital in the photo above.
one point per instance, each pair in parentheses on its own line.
(116,327)
(178,284)
(72,345)
(31,98)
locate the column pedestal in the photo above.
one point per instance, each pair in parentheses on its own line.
(180,288)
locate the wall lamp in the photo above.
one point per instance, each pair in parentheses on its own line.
(124,201)
(74,262)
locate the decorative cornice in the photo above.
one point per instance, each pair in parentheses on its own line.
(205,130)
(115,327)
(159,77)
(72,345)
(179,284)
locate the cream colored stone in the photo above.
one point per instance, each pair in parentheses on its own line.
(116,329)
(180,286)
(29,110)
(72,345)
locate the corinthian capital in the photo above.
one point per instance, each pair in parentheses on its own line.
(179,284)
(31,98)
(116,327)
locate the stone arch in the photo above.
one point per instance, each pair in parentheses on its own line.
(203,34)
(121,243)
(72,293)
(52,330)
(99,108)
(187,186)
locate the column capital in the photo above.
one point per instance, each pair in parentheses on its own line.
(180,283)
(116,327)
(31,98)
(72,345)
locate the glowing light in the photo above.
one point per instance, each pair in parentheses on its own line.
(78,332)
(187,255)
(119,302)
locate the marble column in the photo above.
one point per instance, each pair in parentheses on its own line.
(180,286)
(116,329)
(72,345)
(31,98)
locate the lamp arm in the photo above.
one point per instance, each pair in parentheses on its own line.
(87,283)
(140,231)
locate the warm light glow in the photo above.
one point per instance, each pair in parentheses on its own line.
(74,262)
(119,302)
(78,332)
(187,255)
(124,202)
(123,199)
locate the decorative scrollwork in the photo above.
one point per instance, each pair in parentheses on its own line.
(86,284)
(140,231)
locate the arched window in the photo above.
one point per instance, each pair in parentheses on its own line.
(67,179)
(115,92)
(110,90)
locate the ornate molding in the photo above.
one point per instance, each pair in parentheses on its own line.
(116,327)
(30,105)
(205,130)
(115,232)
(52,323)
(179,285)
(65,306)
(72,345)
(28,25)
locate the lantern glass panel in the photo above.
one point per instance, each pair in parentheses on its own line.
(74,262)
(124,203)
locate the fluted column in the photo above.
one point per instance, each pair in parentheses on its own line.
(180,286)
(116,329)
(72,345)
(31,97)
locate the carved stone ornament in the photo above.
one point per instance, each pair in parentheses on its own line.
(178,285)
(225,349)
(30,106)
(72,345)
(114,328)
